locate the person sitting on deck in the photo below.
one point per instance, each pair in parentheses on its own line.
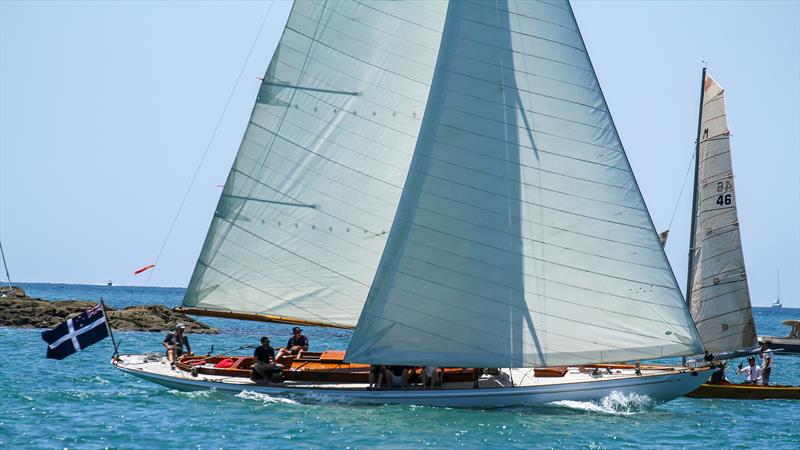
(397,376)
(264,366)
(766,363)
(718,376)
(296,345)
(175,342)
(752,370)
(476,376)
(376,377)
(431,377)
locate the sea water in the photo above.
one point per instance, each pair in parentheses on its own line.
(83,402)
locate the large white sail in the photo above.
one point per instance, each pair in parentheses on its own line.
(719,298)
(521,238)
(304,215)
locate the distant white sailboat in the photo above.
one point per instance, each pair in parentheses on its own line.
(777,303)
(446,178)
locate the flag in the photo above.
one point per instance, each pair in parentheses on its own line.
(76,333)
(137,272)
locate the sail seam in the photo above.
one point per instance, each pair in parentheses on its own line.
(713,297)
(702,161)
(449,71)
(469,132)
(264,292)
(724,314)
(720,284)
(463,185)
(288,269)
(515,13)
(527,239)
(465,306)
(296,254)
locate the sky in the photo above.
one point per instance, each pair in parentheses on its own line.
(107,108)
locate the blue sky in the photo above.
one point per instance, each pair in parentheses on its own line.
(106,109)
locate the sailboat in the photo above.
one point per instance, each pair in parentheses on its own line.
(789,344)
(717,290)
(444,178)
(777,303)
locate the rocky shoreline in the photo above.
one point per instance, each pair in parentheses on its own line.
(19,310)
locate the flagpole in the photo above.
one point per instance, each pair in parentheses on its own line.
(108,326)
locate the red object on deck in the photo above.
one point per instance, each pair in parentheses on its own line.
(224,364)
(143,269)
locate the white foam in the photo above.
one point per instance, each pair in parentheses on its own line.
(191,394)
(615,403)
(265,398)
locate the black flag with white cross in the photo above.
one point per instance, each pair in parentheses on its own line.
(76,333)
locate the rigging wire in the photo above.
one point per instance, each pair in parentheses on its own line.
(208,146)
(680,195)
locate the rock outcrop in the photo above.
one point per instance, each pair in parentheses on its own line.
(19,310)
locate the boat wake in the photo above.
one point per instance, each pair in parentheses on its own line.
(615,403)
(265,398)
(192,394)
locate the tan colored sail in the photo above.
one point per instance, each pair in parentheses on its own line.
(719,299)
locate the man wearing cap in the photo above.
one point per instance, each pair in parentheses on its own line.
(175,342)
(296,345)
(752,370)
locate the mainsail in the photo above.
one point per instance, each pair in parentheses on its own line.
(521,238)
(718,295)
(304,215)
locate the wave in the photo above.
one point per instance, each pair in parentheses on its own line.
(615,403)
(192,394)
(265,398)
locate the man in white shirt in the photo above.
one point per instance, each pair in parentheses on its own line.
(766,363)
(752,370)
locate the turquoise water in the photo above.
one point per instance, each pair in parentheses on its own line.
(82,402)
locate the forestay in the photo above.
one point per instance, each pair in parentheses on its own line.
(303,217)
(719,299)
(521,238)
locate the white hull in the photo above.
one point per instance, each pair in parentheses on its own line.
(659,385)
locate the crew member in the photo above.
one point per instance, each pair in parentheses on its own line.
(175,343)
(752,370)
(431,377)
(296,345)
(264,362)
(376,373)
(397,376)
(766,363)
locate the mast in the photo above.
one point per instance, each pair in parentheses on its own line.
(5,266)
(694,193)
